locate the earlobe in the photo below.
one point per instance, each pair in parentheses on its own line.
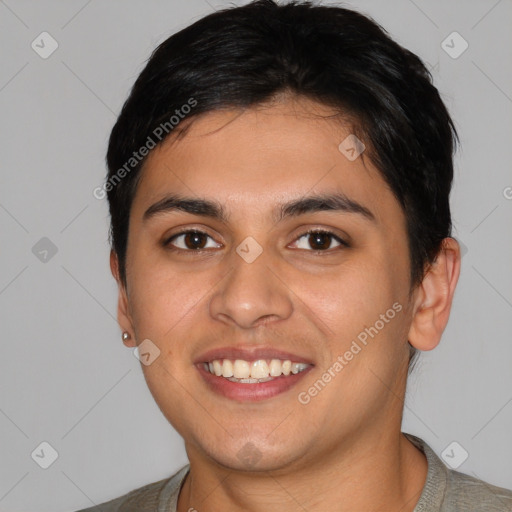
(123,313)
(434,298)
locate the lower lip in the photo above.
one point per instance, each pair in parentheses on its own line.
(250,392)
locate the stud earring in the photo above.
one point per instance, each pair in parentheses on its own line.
(126,335)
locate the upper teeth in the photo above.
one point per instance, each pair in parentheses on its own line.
(259,369)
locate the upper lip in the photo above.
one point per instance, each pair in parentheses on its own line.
(249,354)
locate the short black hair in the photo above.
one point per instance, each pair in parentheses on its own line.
(245,56)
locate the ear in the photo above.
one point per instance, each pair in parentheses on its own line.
(123,309)
(434,297)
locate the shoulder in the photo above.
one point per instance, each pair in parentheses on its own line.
(447,490)
(147,498)
(466,493)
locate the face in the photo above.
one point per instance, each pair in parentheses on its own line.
(269,272)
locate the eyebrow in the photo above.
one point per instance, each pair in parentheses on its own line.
(215,210)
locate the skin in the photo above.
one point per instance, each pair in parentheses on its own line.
(346,443)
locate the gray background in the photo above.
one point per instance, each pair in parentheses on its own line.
(67,379)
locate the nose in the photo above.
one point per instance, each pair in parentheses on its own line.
(252,294)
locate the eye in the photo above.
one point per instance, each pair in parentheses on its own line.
(191,240)
(319,240)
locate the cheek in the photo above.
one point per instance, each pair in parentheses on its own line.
(161,296)
(360,309)
(349,295)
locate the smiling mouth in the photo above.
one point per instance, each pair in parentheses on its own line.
(254,372)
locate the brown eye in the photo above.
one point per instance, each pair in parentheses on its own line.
(191,241)
(319,241)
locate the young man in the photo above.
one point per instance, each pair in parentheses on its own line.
(279,185)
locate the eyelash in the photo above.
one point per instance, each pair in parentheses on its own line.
(167,243)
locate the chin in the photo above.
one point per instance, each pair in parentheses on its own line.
(250,456)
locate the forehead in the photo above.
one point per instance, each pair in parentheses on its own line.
(257,157)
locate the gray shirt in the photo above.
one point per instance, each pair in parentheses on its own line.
(445,490)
